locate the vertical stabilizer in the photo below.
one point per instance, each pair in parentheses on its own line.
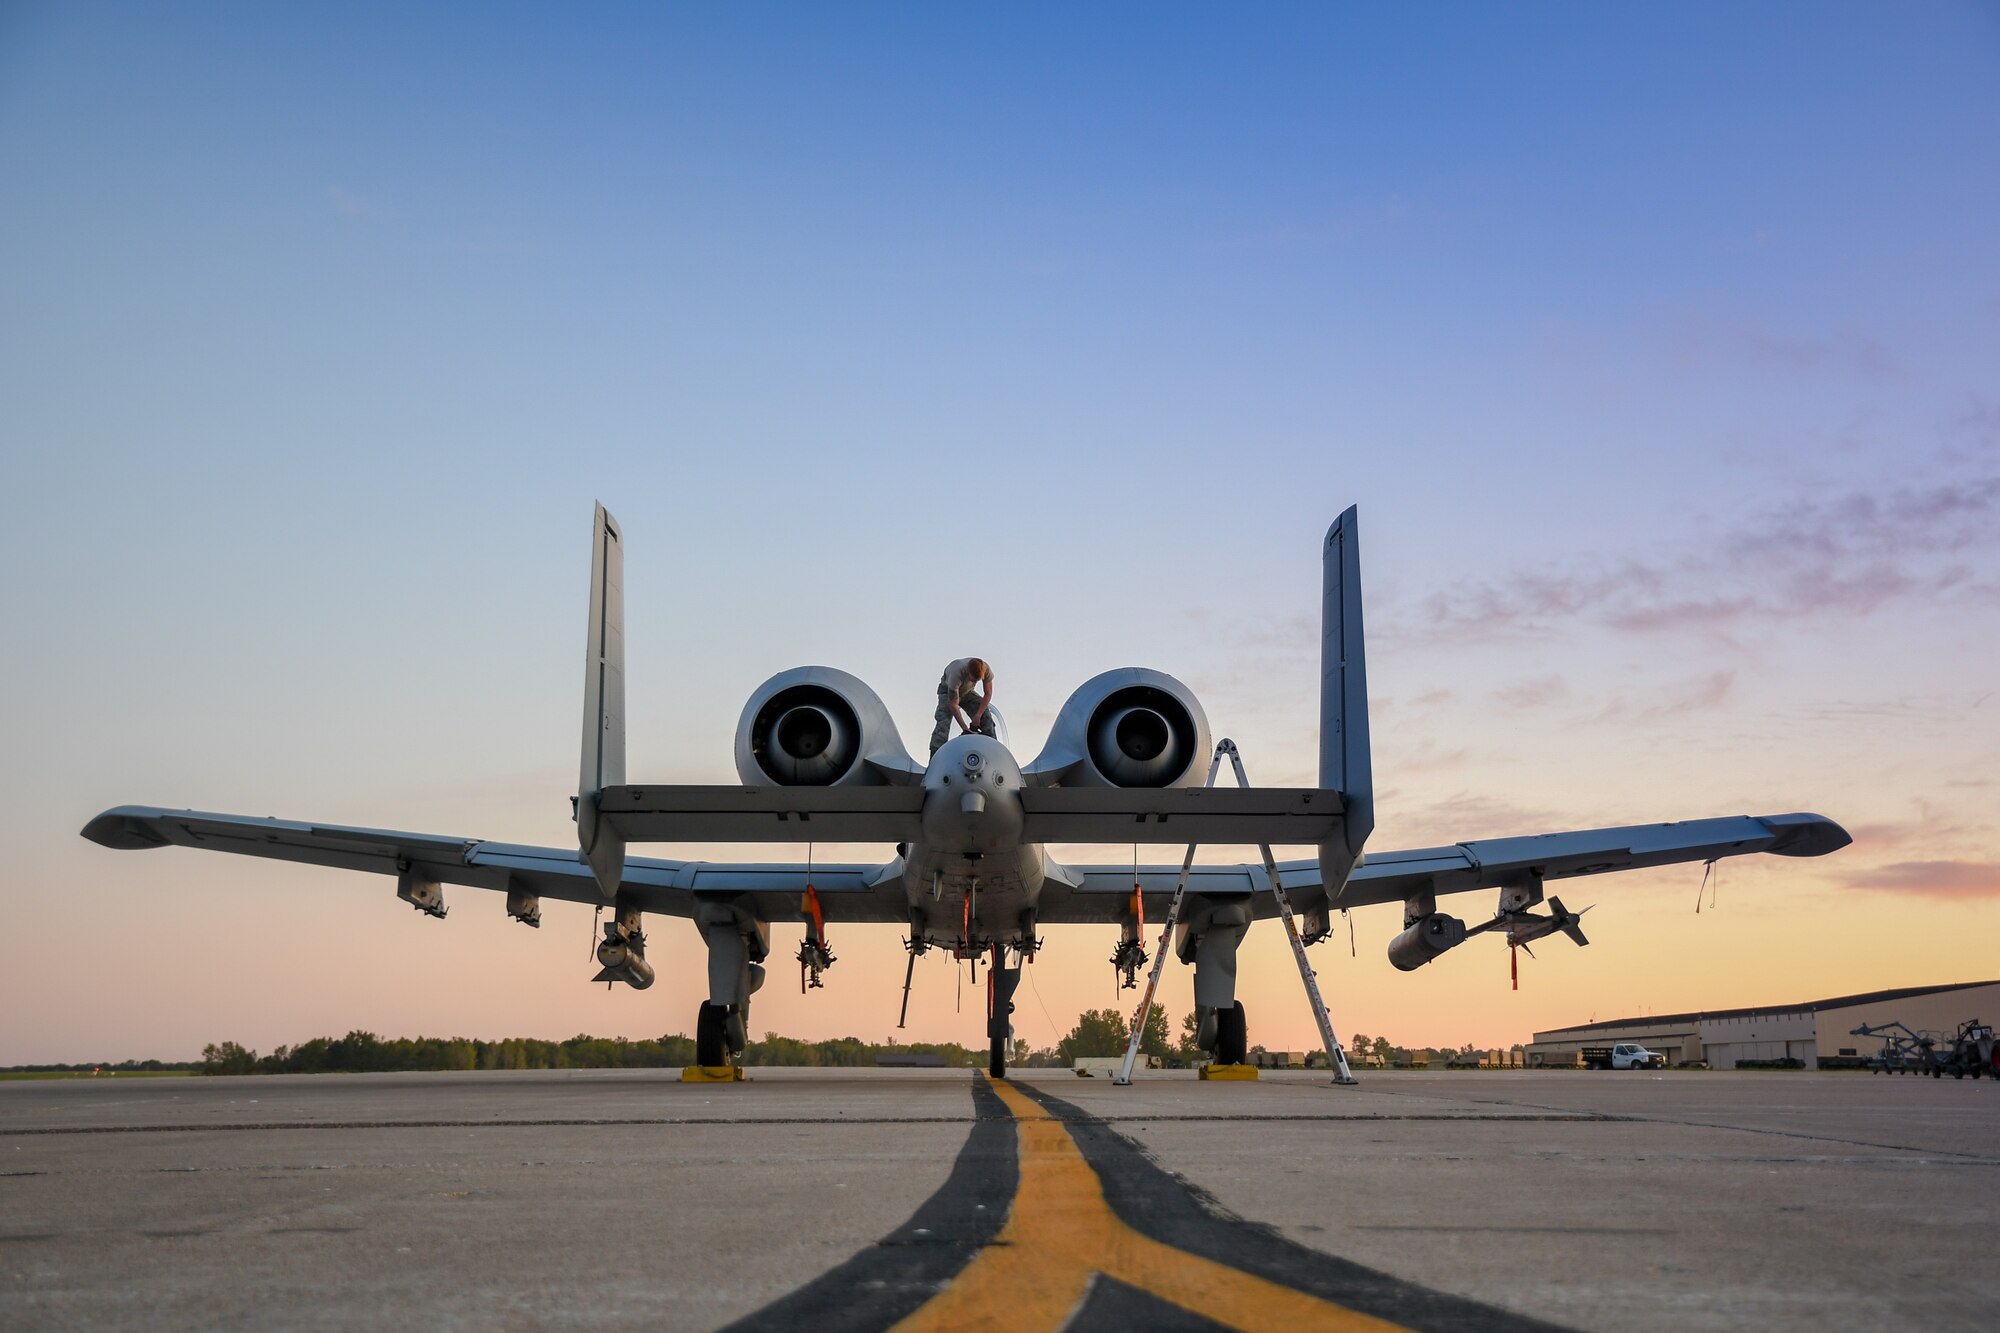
(1344,762)
(603,703)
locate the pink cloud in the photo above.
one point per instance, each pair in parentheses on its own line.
(1933,879)
(1843,555)
(1538,692)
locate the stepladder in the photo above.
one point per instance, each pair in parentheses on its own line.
(1336,1057)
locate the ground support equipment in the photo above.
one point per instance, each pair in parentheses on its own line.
(1124,1078)
(1229,1073)
(712,1074)
(1336,1058)
(1903,1051)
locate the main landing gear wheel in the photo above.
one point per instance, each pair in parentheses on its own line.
(996,1063)
(1231,1035)
(710,1048)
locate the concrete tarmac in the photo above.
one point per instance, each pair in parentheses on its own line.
(854,1199)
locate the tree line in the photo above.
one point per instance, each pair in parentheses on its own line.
(365,1053)
(1098,1032)
(1104,1032)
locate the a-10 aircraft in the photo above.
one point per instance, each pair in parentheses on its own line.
(1125,763)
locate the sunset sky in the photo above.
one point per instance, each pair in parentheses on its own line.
(1659,347)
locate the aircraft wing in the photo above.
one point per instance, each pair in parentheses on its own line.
(1289,815)
(847,892)
(677,812)
(1100,893)
(686,813)
(1494,862)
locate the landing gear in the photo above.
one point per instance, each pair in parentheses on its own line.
(1231,1035)
(1210,942)
(711,1044)
(737,943)
(1001,982)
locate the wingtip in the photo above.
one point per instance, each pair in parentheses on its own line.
(123,828)
(1345,523)
(1805,834)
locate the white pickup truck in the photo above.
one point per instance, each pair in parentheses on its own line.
(1625,1055)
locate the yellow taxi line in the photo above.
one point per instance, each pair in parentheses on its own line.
(1060,1233)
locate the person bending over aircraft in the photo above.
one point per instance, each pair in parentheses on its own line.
(955,687)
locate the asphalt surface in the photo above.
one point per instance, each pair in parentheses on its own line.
(857,1199)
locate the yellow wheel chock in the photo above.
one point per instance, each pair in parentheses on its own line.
(712,1074)
(1230,1073)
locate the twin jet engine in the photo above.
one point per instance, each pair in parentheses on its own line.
(820,727)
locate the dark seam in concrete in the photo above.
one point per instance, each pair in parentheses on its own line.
(1778,1133)
(1815,1138)
(897,1274)
(1587,1117)
(266,1125)
(1178,1213)
(1539,1231)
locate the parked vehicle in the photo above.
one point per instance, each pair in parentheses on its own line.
(1625,1055)
(1971,1050)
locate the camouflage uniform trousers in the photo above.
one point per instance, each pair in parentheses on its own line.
(942,732)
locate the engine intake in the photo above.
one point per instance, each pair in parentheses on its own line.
(817,727)
(806,736)
(1141,737)
(1127,728)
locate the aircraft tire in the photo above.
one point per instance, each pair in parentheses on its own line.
(710,1047)
(996,1062)
(1231,1035)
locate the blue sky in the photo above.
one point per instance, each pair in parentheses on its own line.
(1659,348)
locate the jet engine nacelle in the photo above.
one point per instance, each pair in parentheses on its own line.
(818,727)
(1126,728)
(1424,940)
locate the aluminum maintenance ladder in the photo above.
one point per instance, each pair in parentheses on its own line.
(1336,1058)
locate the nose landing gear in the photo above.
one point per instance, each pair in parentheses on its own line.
(1001,982)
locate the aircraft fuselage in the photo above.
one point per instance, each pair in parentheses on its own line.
(971,879)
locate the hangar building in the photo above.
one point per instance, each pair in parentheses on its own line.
(1817,1033)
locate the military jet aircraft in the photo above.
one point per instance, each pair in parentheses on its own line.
(1126,762)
